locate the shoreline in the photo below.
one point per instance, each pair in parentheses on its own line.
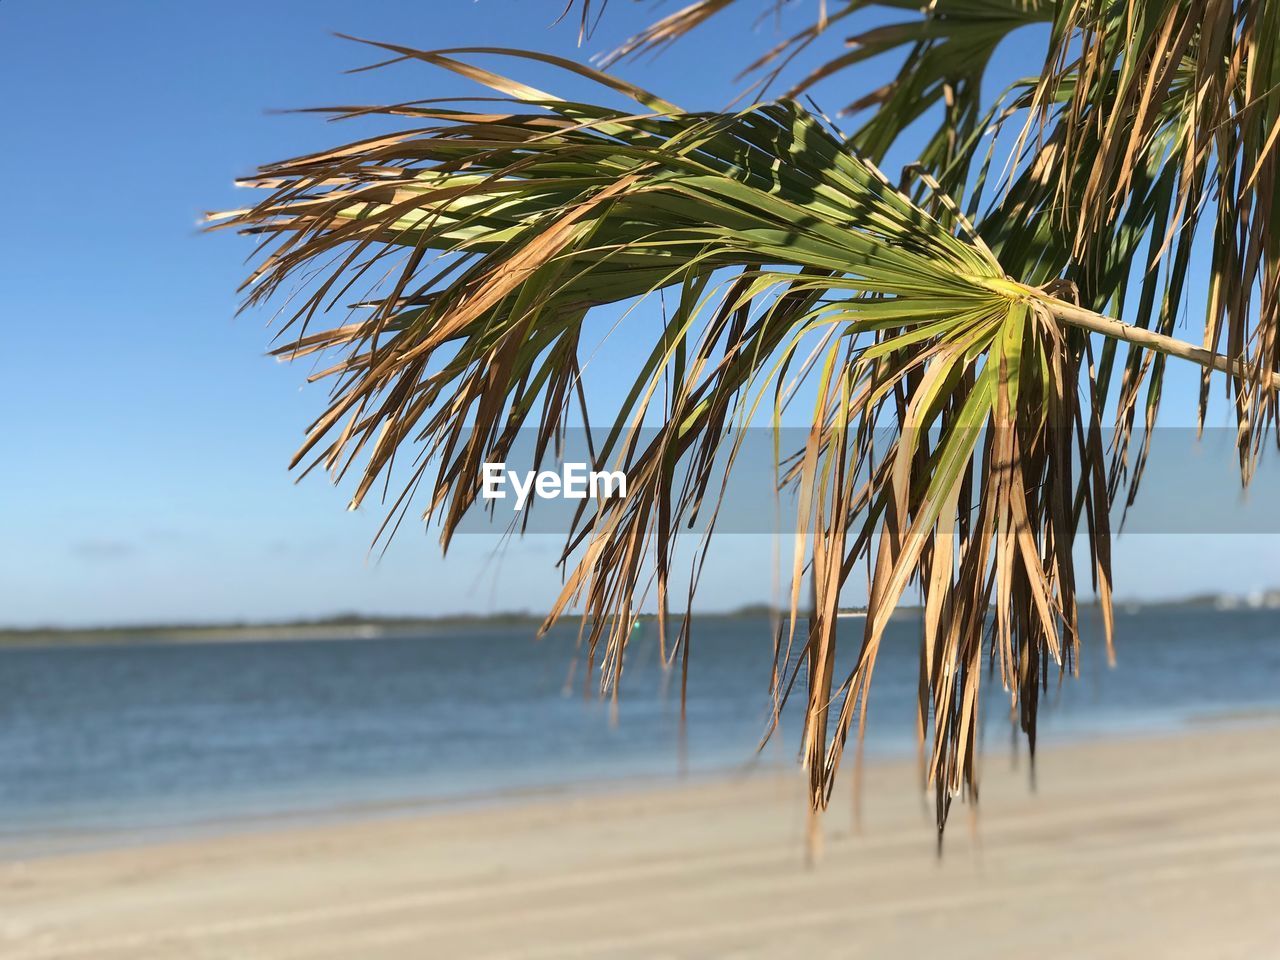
(344,813)
(338,628)
(1148,846)
(105,838)
(375,627)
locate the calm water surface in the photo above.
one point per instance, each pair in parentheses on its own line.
(121,741)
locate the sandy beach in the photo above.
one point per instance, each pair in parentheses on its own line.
(1155,847)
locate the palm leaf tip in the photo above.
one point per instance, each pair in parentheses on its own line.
(477,242)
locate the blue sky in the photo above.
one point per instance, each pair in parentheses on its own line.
(147,432)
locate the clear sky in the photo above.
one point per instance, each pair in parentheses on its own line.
(147,433)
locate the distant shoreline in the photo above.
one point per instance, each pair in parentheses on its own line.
(342,627)
(355,626)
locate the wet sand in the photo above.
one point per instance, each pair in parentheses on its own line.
(1154,847)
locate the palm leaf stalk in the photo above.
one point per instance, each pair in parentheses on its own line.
(478,242)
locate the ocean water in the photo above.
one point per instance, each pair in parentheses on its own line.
(104,744)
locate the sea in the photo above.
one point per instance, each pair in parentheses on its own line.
(110,744)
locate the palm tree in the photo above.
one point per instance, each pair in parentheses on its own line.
(990,321)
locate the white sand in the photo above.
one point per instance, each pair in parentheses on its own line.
(1165,847)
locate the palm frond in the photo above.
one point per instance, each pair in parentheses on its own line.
(551,208)
(1177,107)
(477,242)
(948,45)
(1149,129)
